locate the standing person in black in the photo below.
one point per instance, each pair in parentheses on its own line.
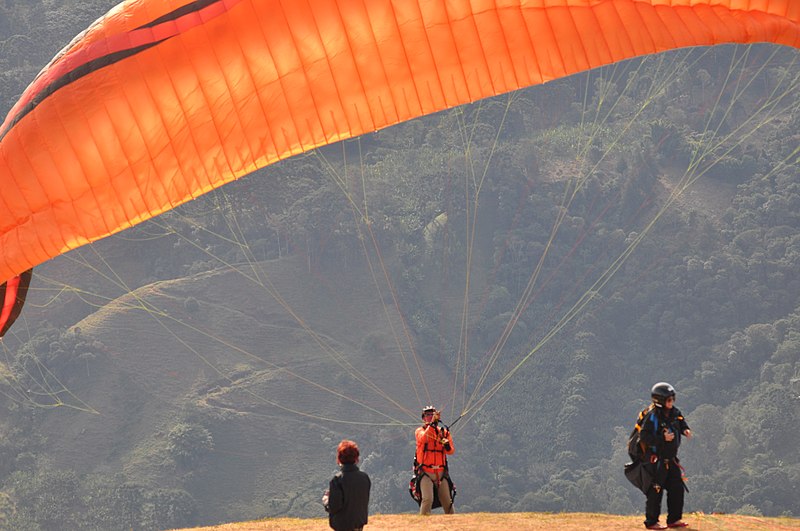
(661,433)
(347,497)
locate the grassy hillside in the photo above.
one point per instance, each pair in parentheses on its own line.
(232,361)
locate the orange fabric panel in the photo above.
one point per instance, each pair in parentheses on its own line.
(163,100)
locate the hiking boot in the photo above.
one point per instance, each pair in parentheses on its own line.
(679,523)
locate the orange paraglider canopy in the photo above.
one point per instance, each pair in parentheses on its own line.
(161,101)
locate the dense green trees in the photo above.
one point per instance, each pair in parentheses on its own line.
(57,499)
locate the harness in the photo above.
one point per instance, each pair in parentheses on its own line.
(664,463)
(414,485)
(434,450)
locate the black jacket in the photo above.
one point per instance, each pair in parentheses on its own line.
(654,427)
(348,499)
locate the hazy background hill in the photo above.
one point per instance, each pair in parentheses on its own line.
(535,262)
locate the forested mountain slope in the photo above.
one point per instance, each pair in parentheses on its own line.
(532,264)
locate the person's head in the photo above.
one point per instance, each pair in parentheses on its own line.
(427,413)
(663,395)
(347,453)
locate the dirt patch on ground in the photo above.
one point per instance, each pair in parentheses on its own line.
(708,196)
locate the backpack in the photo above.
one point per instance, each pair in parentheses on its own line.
(636,448)
(636,472)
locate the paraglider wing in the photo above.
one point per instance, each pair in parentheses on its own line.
(161,101)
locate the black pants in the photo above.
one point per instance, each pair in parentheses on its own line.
(668,475)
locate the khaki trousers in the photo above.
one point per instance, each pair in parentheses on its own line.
(426,485)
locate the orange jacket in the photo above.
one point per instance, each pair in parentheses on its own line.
(431,454)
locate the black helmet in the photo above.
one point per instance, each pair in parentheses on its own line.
(660,392)
(428,409)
